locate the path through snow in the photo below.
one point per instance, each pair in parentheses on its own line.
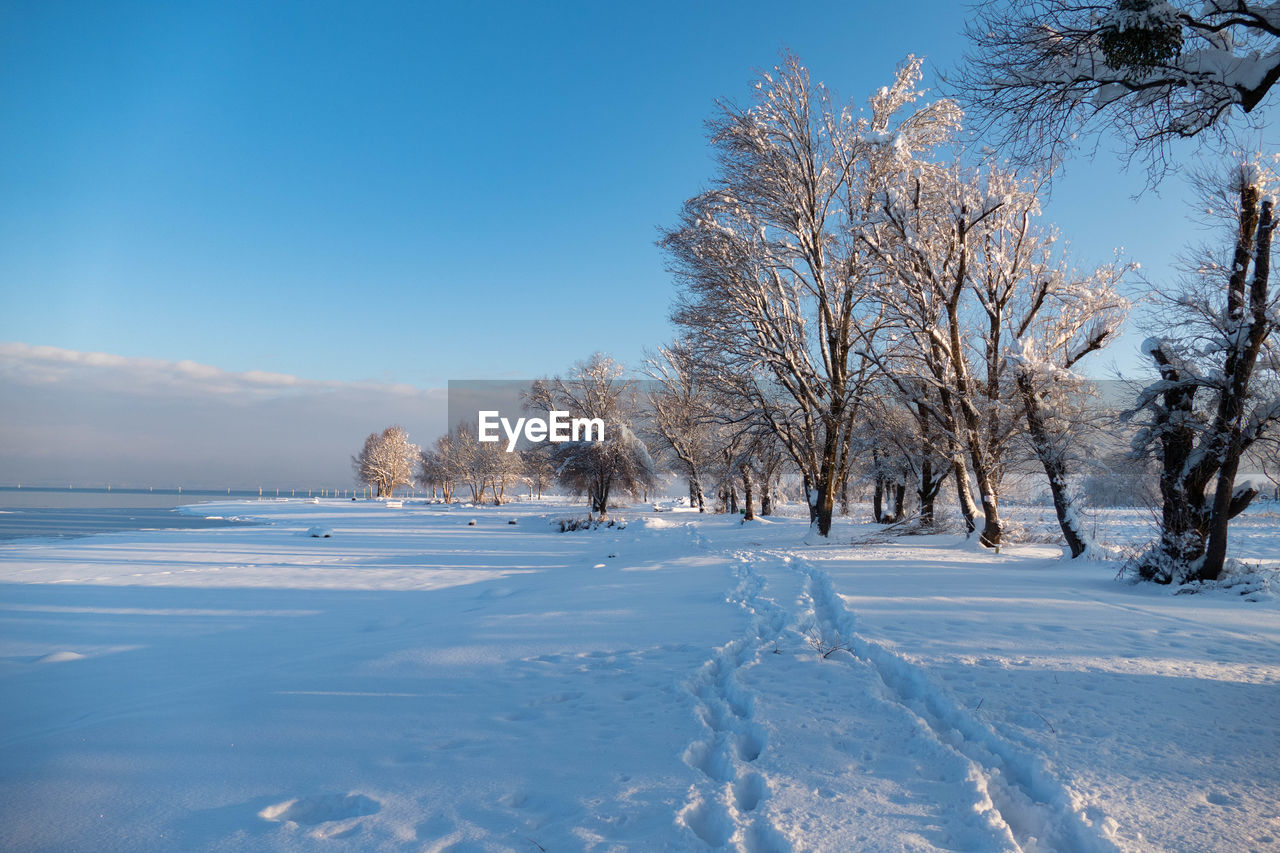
(418,683)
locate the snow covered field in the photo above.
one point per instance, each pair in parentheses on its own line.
(414,682)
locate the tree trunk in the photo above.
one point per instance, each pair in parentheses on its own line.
(1250,333)
(750,514)
(899,498)
(766,497)
(877,502)
(1054,468)
(968,508)
(601,501)
(696,498)
(733,500)
(927,491)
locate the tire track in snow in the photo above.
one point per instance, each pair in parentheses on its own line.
(723,808)
(1040,811)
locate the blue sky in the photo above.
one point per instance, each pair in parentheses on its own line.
(408,192)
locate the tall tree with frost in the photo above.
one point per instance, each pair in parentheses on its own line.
(1205,412)
(469,460)
(975,286)
(387,460)
(774,280)
(1060,317)
(438,468)
(539,469)
(942,237)
(1043,71)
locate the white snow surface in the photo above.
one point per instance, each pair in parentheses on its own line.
(689,682)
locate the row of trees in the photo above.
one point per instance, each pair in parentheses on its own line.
(862,300)
(1157,73)
(840,272)
(595,469)
(853,284)
(456,460)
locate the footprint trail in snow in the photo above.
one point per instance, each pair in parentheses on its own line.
(855,750)
(725,807)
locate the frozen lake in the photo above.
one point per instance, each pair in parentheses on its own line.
(60,523)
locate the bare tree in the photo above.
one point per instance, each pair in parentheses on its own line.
(1206,412)
(600,469)
(500,466)
(682,414)
(431,472)
(774,280)
(1062,318)
(441,466)
(1043,71)
(943,244)
(976,285)
(597,468)
(902,417)
(892,453)
(539,469)
(470,461)
(387,460)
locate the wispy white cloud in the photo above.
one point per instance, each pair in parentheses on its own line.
(73,416)
(46,365)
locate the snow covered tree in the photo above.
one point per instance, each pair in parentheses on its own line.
(470,460)
(889,444)
(1043,71)
(944,246)
(1062,317)
(431,473)
(539,469)
(975,286)
(387,460)
(1206,411)
(774,279)
(500,468)
(682,414)
(440,466)
(598,469)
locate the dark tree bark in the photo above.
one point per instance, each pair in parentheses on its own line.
(1054,466)
(1193,535)
(899,502)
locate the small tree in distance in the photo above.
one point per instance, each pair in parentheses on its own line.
(599,469)
(387,460)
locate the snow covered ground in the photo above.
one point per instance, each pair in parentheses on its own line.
(415,682)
